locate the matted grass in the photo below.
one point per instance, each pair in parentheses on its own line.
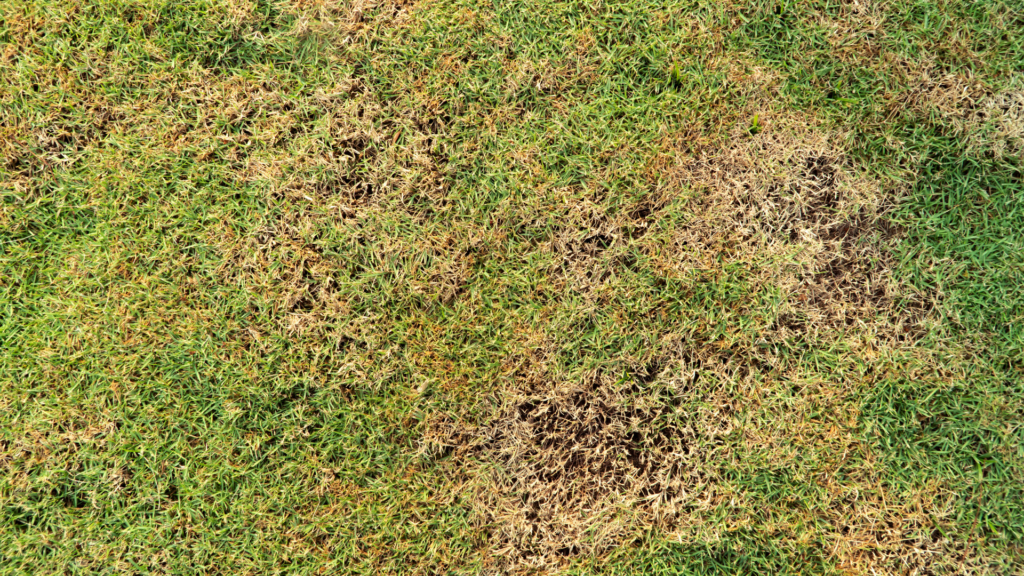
(516,287)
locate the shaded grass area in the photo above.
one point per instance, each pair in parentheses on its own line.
(417,288)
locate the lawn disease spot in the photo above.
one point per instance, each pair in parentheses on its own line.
(571,454)
(391,286)
(571,467)
(789,198)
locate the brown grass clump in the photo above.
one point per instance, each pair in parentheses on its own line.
(280,262)
(991,122)
(363,164)
(1004,114)
(788,200)
(61,441)
(574,468)
(931,91)
(349,20)
(580,247)
(365,153)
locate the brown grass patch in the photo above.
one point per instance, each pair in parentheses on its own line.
(1003,114)
(573,467)
(363,153)
(353,20)
(282,264)
(992,123)
(344,156)
(808,429)
(29,448)
(929,90)
(788,200)
(34,144)
(579,466)
(581,245)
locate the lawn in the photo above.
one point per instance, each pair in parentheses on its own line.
(511,287)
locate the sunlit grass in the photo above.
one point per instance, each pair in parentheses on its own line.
(423,287)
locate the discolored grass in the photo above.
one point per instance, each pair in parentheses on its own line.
(514,287)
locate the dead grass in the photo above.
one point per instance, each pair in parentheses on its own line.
(1003,115)
(991,121)
(364,255)
(571,469)
(577,467)
(788,199)
(69,433)
(349,20)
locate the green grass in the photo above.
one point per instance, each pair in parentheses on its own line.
(270,271)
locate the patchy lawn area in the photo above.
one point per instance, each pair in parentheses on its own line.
(511,287)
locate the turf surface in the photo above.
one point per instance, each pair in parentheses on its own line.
(657,287)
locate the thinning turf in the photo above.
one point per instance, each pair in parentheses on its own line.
(491,287)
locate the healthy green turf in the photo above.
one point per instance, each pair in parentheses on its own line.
(254,255)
